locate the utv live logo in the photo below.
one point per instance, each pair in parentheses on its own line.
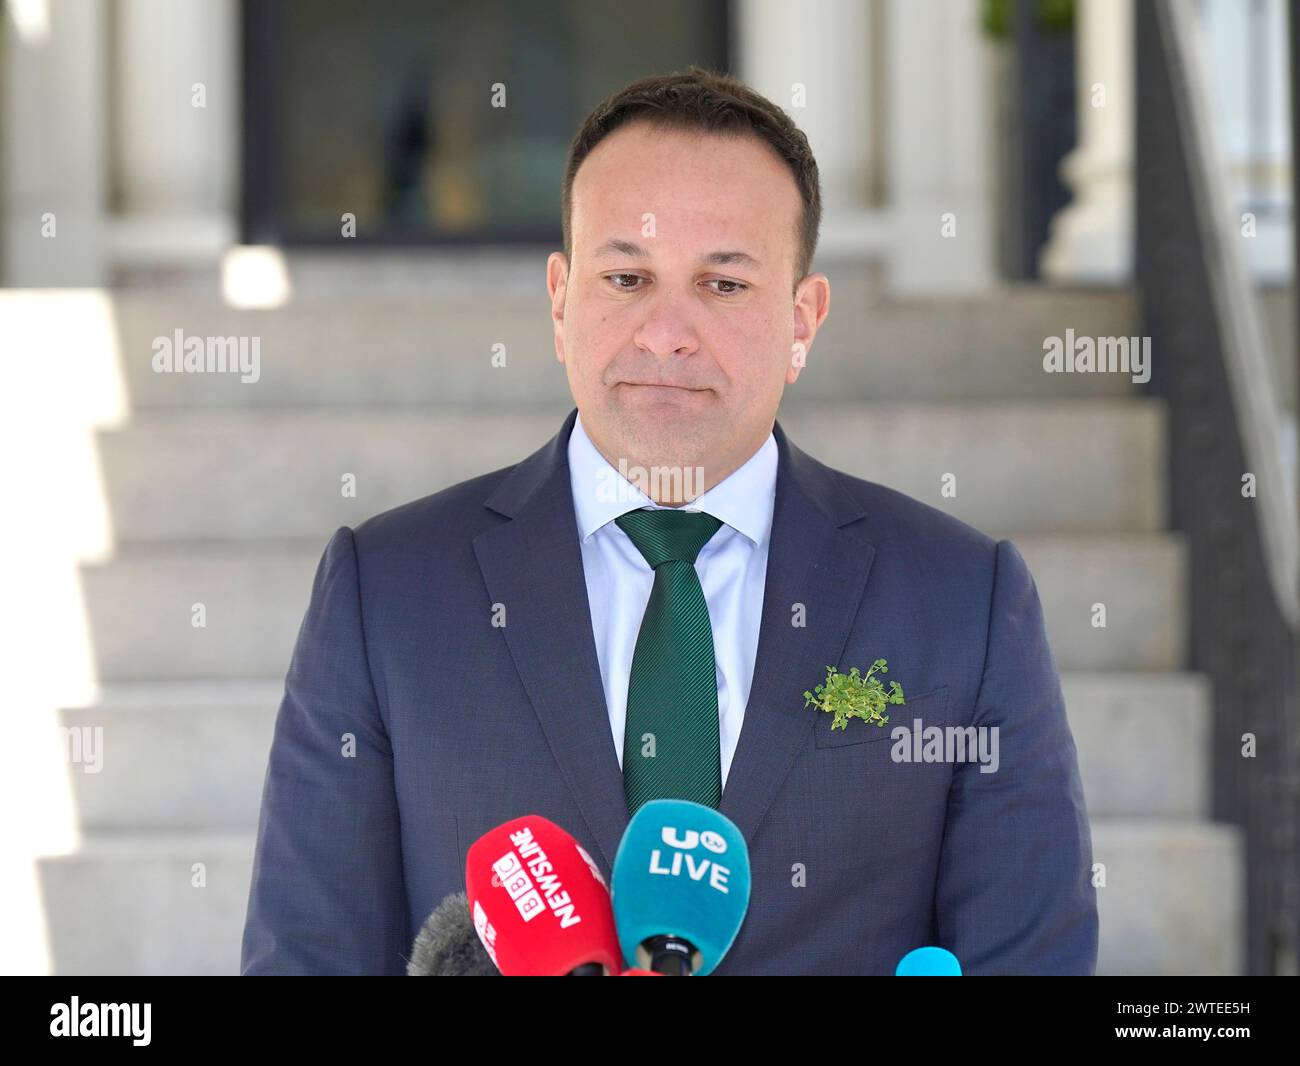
(101,1019)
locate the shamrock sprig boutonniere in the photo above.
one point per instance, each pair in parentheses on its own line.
(853,696)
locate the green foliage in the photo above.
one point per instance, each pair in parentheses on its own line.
(1051,16)
(853,696)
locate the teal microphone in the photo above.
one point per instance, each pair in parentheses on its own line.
(928,962)
(680,887)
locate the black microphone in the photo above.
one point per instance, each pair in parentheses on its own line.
(448,946)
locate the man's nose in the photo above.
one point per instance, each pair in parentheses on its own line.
(669,323)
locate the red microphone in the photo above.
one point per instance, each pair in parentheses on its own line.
(539,903)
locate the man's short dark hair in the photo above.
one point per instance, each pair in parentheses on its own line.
(698,99)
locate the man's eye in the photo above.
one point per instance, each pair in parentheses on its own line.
(628,283)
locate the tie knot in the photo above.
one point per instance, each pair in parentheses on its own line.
(665,534)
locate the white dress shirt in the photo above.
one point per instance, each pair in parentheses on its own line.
(732,568)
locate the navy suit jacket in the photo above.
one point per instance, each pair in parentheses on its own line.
(411,724)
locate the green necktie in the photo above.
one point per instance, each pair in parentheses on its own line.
(670,743)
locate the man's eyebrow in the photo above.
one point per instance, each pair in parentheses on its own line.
(615,246)
(723,258)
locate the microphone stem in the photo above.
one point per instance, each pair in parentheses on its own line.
(670,955)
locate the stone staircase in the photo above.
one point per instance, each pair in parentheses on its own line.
(224,493)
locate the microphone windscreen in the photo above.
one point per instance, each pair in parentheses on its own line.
(538,901)
(448,946)
(682,870)
(928,962)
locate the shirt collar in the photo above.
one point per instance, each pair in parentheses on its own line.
(743,500)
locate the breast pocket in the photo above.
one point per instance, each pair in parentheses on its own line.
(931,707)
(872,808)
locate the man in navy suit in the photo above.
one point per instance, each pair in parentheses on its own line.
(636,610)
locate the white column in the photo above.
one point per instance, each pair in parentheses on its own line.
(53,183)
(812,59)
(1245,57)
(941,131)
(176,163)
(1091,239)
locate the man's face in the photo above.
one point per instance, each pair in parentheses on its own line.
(676,321)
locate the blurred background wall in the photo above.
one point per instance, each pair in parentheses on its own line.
(352,202)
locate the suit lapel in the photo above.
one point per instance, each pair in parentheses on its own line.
(818,558)
(533,565)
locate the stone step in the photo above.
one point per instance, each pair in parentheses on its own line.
(134,904)
(1144,742)
(130,904)
(192,756)
(1175,897)
(436,347)
(1138,580)
(174,756)
(1064,466)
(140,605)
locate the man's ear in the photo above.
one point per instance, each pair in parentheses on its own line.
(557,284)
(812,303)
